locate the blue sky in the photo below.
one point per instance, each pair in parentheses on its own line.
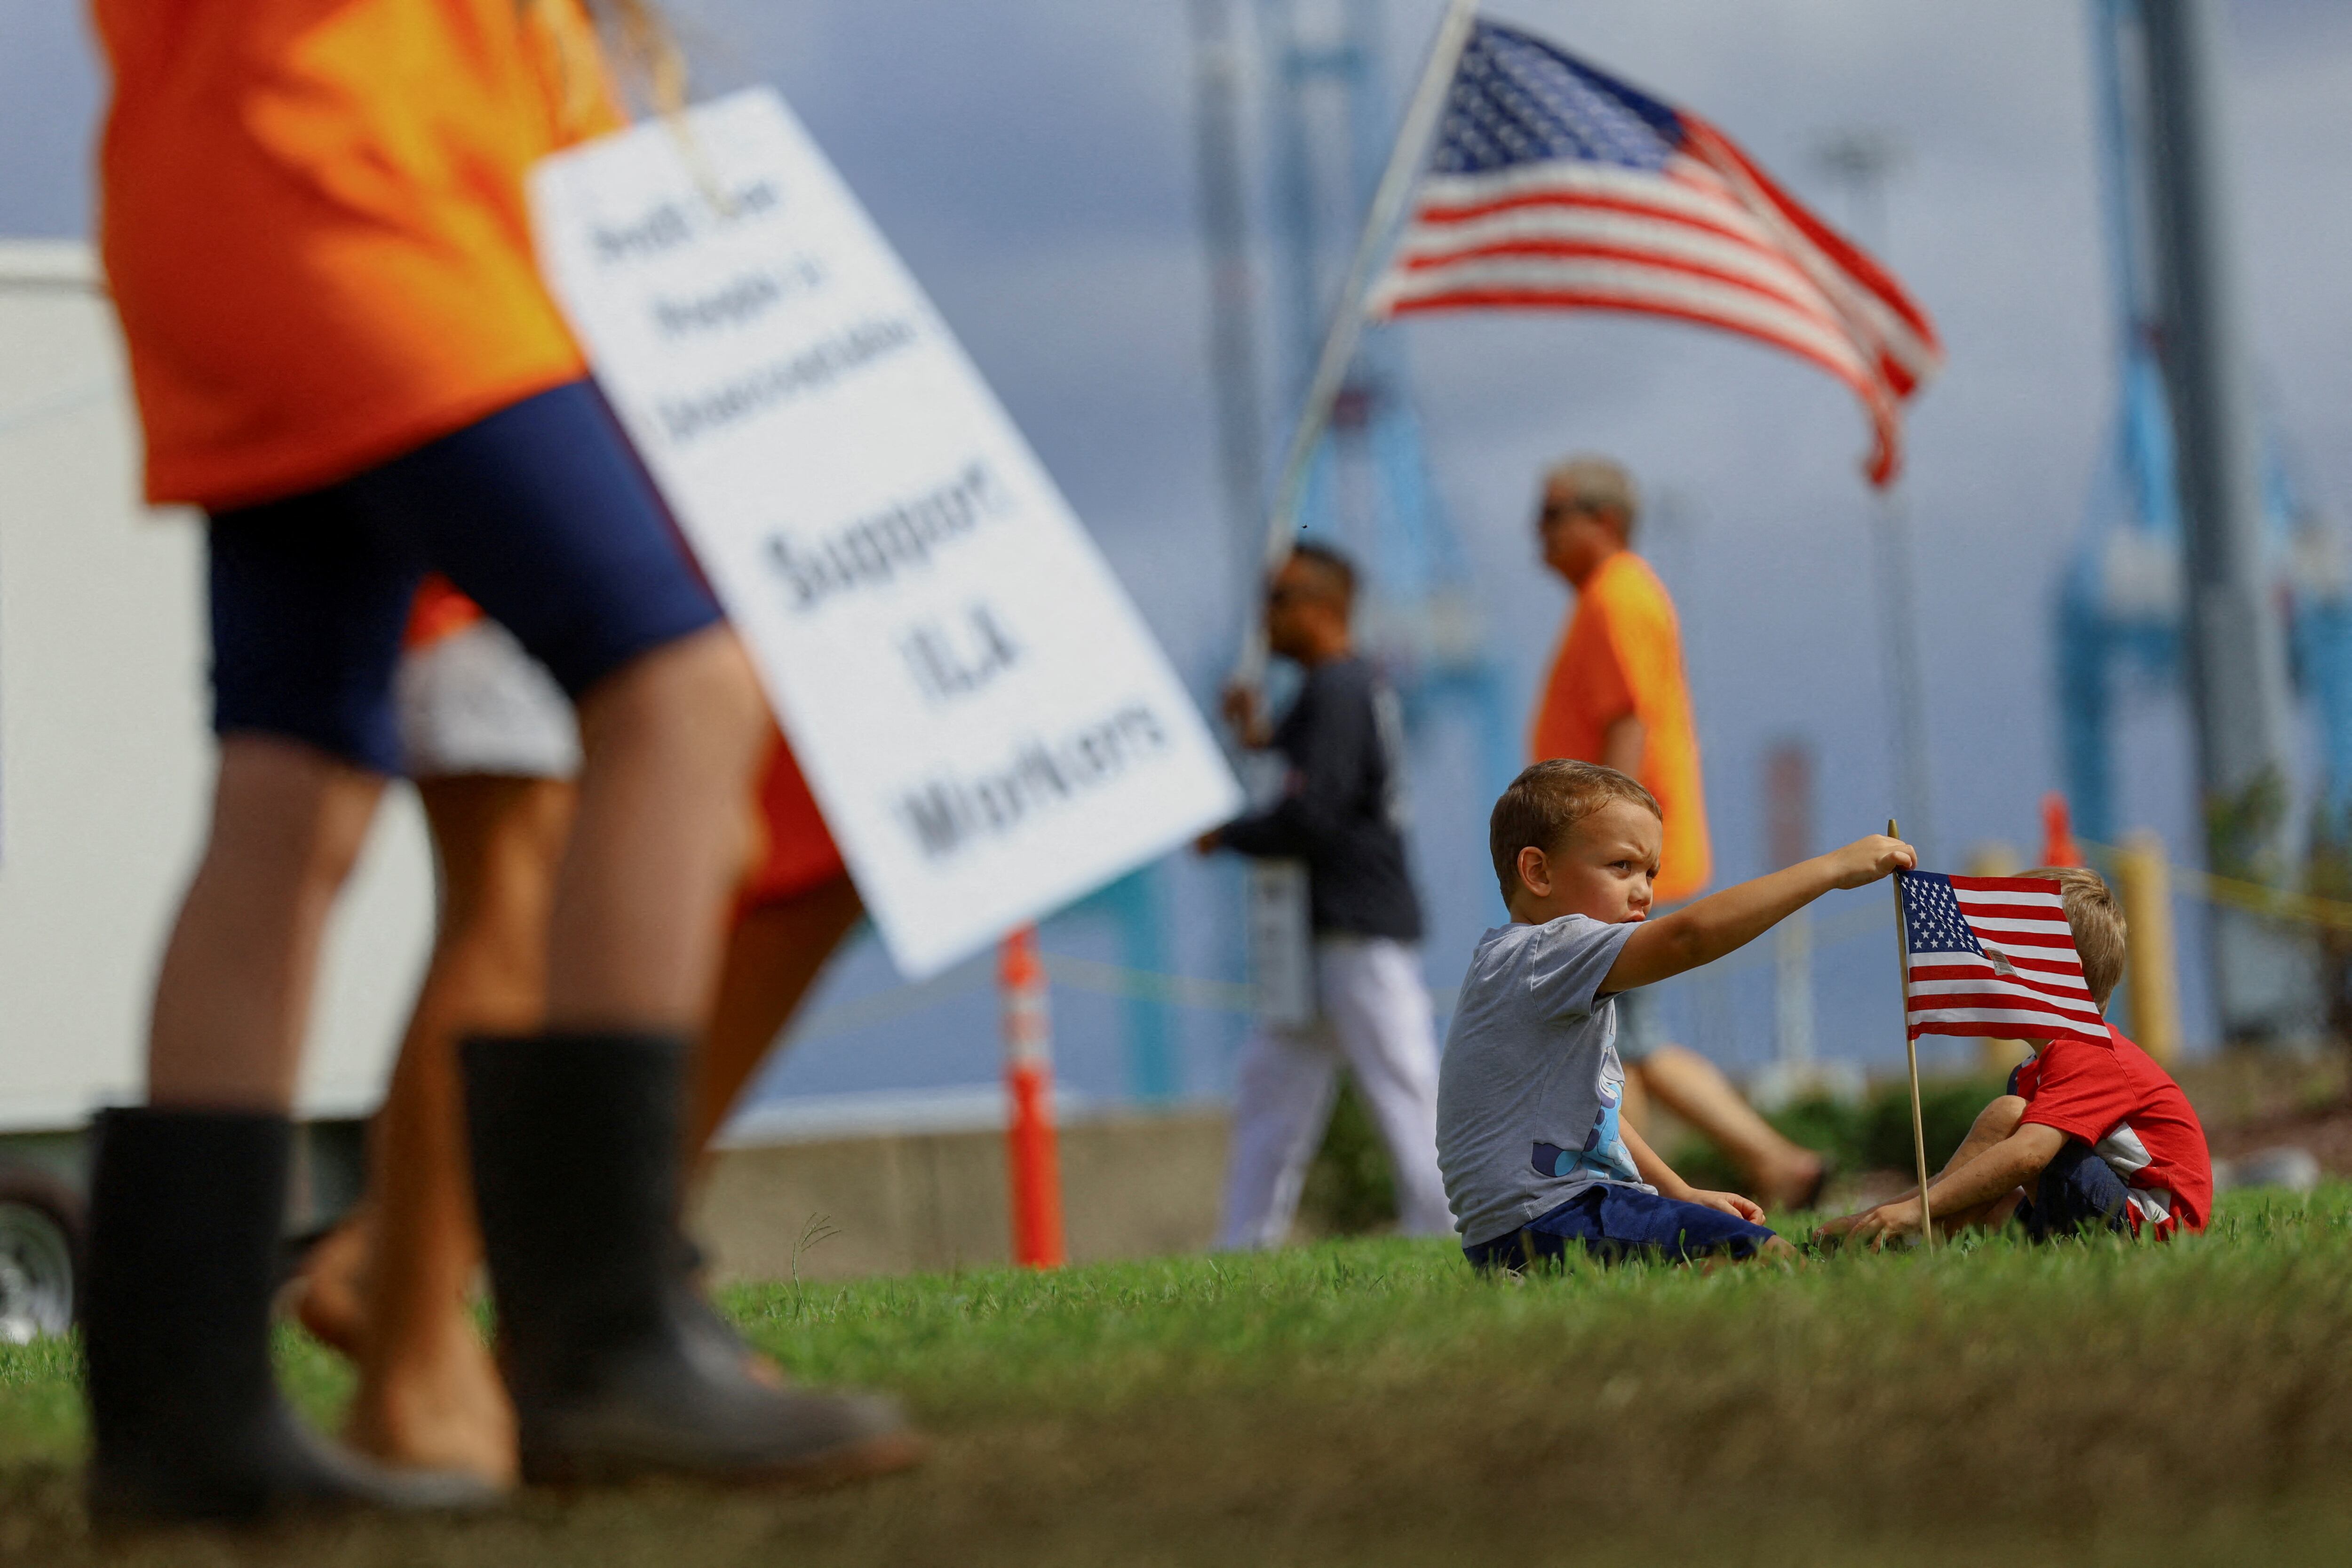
(1033,159)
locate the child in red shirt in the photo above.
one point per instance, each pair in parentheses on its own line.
(2092,1134)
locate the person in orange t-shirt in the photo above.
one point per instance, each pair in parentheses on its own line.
(1617,696)
(317,239)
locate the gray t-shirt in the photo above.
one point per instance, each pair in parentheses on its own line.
(1529,1091)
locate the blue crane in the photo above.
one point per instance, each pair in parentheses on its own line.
(2120,605)
(1330,121)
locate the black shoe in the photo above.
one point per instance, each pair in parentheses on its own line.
(617,1368)
(186,1419)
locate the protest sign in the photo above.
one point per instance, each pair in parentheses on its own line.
(982,715)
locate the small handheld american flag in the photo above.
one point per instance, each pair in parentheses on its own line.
(1555,186)
(1992,955)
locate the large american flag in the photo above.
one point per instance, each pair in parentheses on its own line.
(1554,185)
(1992,955)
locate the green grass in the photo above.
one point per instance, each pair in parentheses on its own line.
(1373,1401)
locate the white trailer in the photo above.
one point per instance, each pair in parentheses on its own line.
(105,774)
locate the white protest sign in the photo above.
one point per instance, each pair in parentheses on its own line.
(985,719)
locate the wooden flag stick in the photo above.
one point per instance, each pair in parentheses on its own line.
(1911,1051)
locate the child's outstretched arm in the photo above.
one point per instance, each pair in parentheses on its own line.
(1704,931)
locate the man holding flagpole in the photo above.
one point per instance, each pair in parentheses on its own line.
(1341,812)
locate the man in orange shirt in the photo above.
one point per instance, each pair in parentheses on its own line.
(1616,696)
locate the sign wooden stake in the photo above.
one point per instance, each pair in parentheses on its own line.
(1911,1052)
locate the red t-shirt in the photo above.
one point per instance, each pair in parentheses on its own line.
(2112,1096)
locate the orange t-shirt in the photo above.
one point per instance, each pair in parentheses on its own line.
(315,228)
(1623,654)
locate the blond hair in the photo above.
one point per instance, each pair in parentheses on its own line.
(1545,802)
(1598,485)
(2101,936)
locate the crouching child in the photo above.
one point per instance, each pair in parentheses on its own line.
(1535,1156)
(2091,1136)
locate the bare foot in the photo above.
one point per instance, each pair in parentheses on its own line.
(438,1406)
(327,1295)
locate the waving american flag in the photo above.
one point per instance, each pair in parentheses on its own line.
(1992,955)
(1553,185)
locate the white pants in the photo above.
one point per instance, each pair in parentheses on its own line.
(1375,1016)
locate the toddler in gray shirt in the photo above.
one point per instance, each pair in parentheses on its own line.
(1529,1139)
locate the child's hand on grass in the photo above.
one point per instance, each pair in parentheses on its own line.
(1865,860)
(1729,1203)
(1887,1222)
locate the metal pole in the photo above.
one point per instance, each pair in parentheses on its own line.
(1225,227)
(2235,640)
(1348,312)
(1861,160)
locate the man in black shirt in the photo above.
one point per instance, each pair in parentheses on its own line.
(1339,811)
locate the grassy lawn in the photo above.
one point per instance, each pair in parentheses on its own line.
(1373,1402)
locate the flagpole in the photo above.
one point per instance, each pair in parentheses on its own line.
(1911,1050)
(1347,314)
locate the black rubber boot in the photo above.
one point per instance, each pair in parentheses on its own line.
(185,1417)
(617,1368)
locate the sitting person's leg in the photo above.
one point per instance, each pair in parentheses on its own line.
(1780,1173)
(1994,1125)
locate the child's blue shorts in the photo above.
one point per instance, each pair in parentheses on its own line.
(2078,1192)
(541,513)
(1614,1222)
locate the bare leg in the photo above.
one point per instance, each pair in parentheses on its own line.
(233,996)
(1993,1125)
(773,956)
(672,742)
(1634,1102)
(429,1394)
(1780,1173)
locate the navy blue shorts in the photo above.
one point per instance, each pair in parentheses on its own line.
(1615,1222)
(541,513)
(2078,1192)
